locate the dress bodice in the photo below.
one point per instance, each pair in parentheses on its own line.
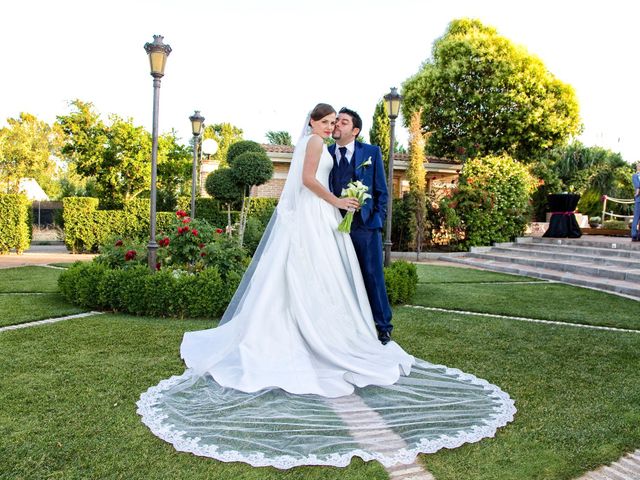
(324,167)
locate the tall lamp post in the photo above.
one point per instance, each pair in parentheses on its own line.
(393,99)
(197,122)
(158,53)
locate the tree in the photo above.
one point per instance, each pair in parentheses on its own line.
(221,184)
(174,170)
(225,135)
(591,172)
(26,149)
(416,175)
(116,157)
(84,138)
(279,138)
(250,169)
(380,132)
(483,95)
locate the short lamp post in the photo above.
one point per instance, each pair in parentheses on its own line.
(197,122)
(393,99)
(158,53)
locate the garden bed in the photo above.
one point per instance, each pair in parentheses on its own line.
(614,232)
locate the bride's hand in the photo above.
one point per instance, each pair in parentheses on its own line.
(349,204)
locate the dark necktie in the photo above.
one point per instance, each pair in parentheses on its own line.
(343,157)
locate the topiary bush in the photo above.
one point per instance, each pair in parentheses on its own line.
(401,280)
(241,147)
(15,223)
(492,200)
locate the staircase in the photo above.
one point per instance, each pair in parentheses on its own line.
(605,263)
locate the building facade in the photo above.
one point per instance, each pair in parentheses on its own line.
(441,173)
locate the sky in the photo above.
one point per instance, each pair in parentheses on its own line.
(262,65)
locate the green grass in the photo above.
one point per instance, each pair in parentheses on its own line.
(546,301)
(577,392)
(29,279)
(68,390)
(21,308)
(442,274)
(68,405)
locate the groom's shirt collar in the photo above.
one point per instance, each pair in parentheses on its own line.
(350,149)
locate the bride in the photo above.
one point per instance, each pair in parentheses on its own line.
(295,374)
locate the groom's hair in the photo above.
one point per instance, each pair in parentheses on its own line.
(355,118)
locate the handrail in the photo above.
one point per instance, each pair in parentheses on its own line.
(624,201)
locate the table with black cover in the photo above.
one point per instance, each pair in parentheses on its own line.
(563,223)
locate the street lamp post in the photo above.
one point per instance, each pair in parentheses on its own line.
(393,99)
(197,121)
(158,53)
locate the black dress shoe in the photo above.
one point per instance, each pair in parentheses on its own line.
(384,337)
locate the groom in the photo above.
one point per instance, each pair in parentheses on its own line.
(353,160)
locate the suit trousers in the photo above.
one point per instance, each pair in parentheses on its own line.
(636,217)
(368,246)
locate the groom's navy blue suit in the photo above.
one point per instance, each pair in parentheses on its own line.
(366,230)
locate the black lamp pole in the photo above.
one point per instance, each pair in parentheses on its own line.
(393,99)
(158,53)
(197,121)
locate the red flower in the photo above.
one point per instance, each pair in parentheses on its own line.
(603,198)
(158,266)
(195,232)
(186,220)
(202,254)
(164,242)
(181,213)
(219,230)
(130,255)
(119,243)
(201,245)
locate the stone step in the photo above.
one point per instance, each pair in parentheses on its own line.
(620,287)
(559,254)
(620,251)
(617,243)
(578,266)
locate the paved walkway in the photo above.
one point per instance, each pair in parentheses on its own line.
(42,255)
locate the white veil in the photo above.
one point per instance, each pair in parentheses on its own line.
(282,217)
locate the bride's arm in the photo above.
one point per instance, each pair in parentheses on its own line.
(309,180)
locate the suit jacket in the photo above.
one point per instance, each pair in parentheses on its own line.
(374,210)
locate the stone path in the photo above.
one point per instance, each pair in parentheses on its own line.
(47,321)
(361,415)
(626,468)
(42,255)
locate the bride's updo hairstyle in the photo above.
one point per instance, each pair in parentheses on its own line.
(320,111)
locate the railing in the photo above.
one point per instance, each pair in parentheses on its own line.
(614,216)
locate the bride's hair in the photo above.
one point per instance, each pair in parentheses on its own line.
(321,110)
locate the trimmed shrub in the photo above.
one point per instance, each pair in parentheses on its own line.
(492,200)
(138,291)
(615,225)
(241,147)
(79,228)
(15,227)
(401,280)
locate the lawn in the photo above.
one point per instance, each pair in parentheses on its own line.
(68,390)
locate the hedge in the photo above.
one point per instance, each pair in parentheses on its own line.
(137,290)
(15,227)
(86,227)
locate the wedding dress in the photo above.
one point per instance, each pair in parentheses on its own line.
(295,375)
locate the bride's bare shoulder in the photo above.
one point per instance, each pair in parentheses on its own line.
(315,142)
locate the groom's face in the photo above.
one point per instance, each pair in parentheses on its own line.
(344,132)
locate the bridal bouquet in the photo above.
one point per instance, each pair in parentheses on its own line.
(357,190)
